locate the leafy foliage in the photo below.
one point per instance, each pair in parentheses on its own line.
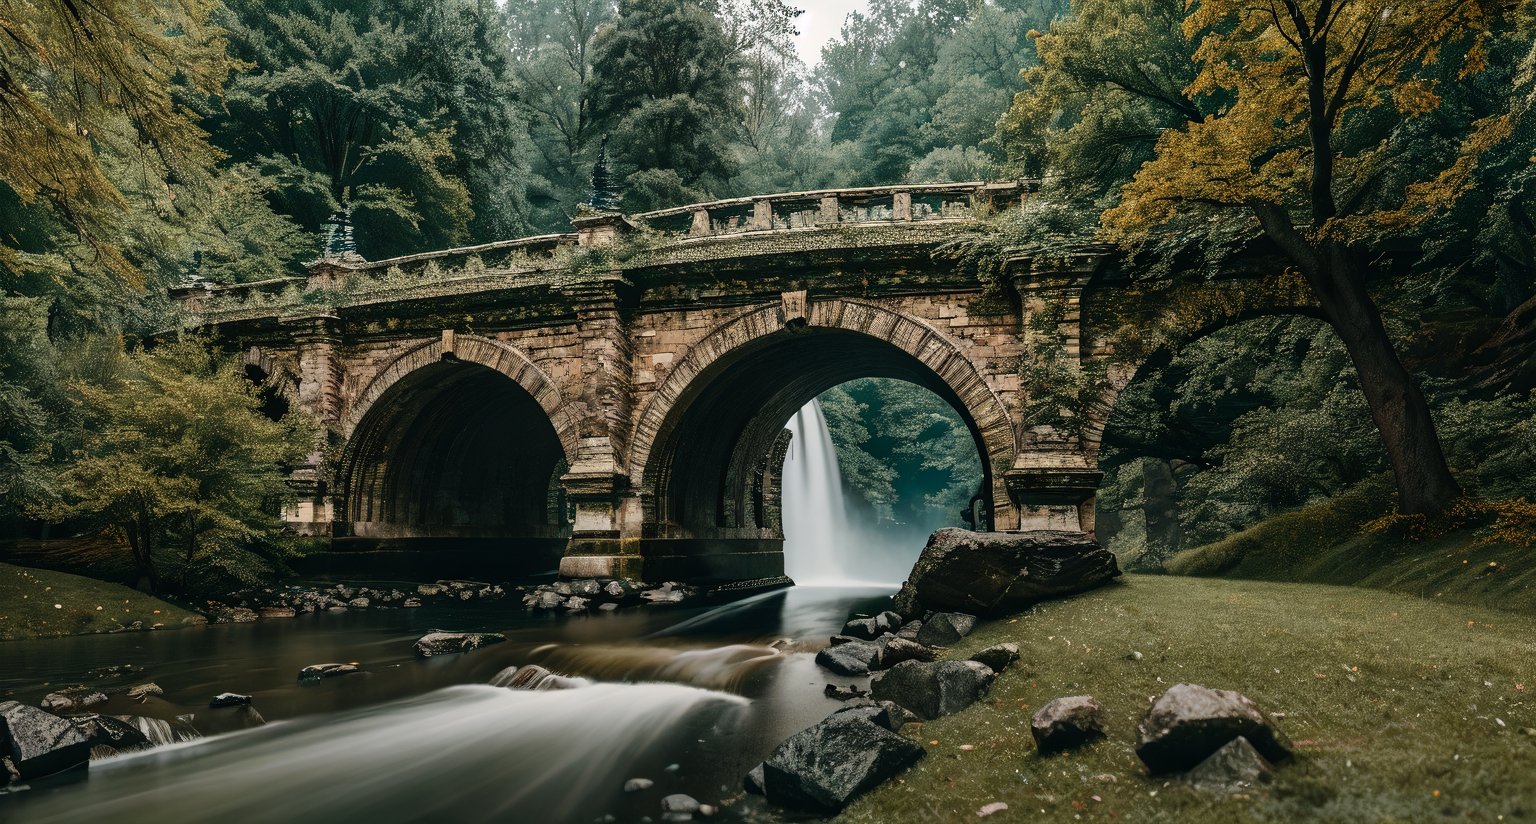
(178,459)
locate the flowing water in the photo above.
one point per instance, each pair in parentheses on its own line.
(825,543)
(688,697)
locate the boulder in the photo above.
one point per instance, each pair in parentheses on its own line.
(887,714)
(1235,768)
(1065,723)
(753,781)
(856,658)
(998,657)
(998,573)
(228,699)
(315,672)
(447,643)
(844,639)
(864,629)
(932,690)
(39,743)
(887,621)
(823,768)
(72,700)
(894,650)
(909,630)
(945,628)
(109,735)
(1189,723)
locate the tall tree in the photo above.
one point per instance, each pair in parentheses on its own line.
(668,88)
(1295,148)
(179,458)
(553,43)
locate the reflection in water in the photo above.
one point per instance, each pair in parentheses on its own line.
(431,740)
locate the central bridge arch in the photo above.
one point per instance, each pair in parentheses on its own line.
(708,445)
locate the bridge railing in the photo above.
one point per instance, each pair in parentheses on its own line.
(514,261)
(832,207)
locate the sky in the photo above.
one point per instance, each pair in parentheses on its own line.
(822,20)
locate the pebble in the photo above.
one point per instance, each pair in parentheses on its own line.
(635,785)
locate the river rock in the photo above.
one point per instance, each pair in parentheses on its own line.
(576,603)
(998,657)
(945,628)
(410,603)
(228,699)
(864,629)
(139,692)
(359,603)
(1234,768)
(223,614)
(635,785)
(109,735)
(72,700)
(887,714)
(538,679)
(39,743)
(429,590)
(586,587)
(1064,723)
(933,690)
(855,658)
(894,650)
(276,612)
(825,767)
(315,672)
(844,693)
(753,781)
(999,573)
(1189,723)
(549,599)
(447,643)
(680,803)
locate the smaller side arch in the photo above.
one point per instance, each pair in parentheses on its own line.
(1156,323)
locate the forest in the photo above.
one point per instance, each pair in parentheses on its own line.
(150,143)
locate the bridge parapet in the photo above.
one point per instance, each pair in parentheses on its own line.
(831,207)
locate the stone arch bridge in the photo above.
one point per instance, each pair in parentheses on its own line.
(613,400)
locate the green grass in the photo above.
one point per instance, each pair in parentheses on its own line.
(1394,704)
(1326,543)
(39,603)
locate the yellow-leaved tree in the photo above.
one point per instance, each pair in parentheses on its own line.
(1303,86)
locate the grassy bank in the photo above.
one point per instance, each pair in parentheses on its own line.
(39,603)
(1329,543)
(1401,709)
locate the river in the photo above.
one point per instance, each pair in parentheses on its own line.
(690,698)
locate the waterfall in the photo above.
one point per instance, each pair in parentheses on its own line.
(822,546)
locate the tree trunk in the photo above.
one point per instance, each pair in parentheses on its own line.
(1160,505)
(1424,482)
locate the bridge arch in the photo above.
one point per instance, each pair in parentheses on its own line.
(707,440)
(458,442)
(1167,319)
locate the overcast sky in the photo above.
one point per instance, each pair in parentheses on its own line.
(822,20)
